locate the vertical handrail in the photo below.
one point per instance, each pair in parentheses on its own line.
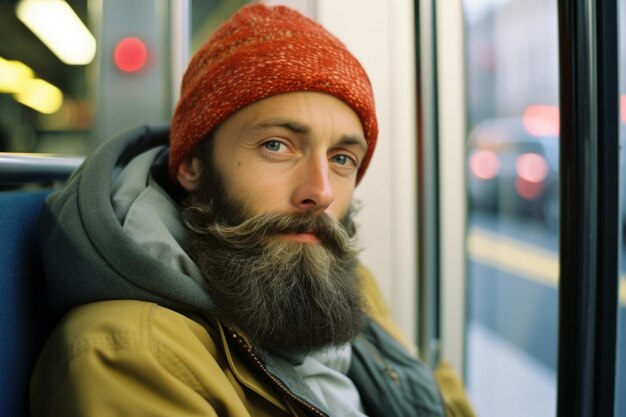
(589,207)
(429,295)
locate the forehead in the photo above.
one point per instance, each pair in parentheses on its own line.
(304,112)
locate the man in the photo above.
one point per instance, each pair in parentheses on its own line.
(219,276)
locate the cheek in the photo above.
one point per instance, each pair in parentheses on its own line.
(338,211)
(261,191)
(343,200)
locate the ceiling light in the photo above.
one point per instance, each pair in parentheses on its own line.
(13,74)
(59,28)
(40,95)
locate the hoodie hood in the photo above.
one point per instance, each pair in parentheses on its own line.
(112,232)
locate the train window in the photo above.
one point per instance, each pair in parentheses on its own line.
(513,204)
(512,166)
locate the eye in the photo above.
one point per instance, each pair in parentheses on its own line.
(273,145)
(343,160)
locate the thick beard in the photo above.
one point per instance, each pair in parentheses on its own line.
(284,295)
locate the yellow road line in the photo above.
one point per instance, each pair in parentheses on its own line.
(520,258)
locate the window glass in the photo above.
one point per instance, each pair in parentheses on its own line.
(513,201)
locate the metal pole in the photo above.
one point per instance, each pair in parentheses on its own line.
(18,168)
(589,207)
(429,297)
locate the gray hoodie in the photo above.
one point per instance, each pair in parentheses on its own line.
(87,254)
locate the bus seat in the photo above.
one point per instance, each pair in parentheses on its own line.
(24,316)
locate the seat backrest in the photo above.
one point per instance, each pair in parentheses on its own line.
(24,317)
(25,320)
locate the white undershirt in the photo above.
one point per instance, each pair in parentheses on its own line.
(325,373)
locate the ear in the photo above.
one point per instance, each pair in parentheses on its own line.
(188,174)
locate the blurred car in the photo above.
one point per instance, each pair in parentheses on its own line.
(513,168)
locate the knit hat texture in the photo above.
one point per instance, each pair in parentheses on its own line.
(261,52)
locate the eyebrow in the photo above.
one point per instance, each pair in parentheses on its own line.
(305,130)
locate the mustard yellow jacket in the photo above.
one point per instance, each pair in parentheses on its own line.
(135,358)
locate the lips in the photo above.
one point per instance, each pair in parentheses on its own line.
(304,237)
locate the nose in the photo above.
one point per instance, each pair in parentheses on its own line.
(313,191)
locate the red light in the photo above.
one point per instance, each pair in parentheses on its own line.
(130,54)
(542,120)
(484,164)
(531,167)
(528,190)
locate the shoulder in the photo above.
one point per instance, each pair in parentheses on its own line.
(126,354)
(116,325)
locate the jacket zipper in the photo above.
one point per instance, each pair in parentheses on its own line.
(242,342)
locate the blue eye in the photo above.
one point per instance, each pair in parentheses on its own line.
(341,159)
(273,145)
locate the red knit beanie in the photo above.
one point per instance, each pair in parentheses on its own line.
(261,52)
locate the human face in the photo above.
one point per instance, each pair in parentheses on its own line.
(291,153)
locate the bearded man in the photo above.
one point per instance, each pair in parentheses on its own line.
(211,270)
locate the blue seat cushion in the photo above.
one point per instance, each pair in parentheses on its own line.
(24,316)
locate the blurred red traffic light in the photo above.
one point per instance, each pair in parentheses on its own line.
(130,54)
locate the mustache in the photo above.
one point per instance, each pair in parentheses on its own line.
(255,231)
